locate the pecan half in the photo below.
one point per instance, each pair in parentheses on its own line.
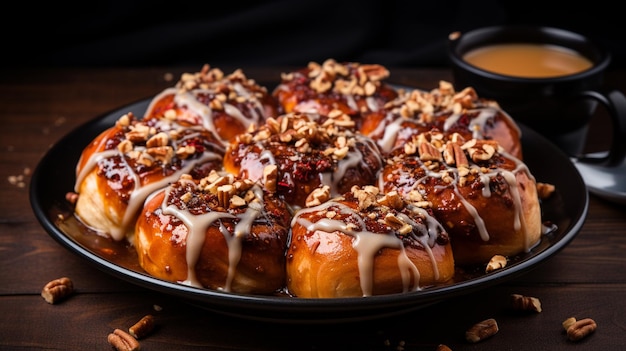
(57,290)
(482,330)
(525,303)
(428,152)
(581,329)
(122,341)
(143,327)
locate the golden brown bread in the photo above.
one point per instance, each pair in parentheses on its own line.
(219,232)
(365,243)
(122,166)
(227,105)
(486,200)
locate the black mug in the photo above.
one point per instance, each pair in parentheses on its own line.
(558,107)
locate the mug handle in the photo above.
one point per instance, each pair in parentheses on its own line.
(615,103)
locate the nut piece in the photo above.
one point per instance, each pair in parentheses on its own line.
(525,303)
(568,323)
(143,327)
(496,262)
(270,177)
(57,290)
(581,329)
(442,347)
(123,341)
(482,330)
(318,196)
(545,190)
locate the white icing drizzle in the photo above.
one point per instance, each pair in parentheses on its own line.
(140,192)
(372,104)
(198,225)
(389,133)
(351,102)
(477,124)
(157,98)
(351,160)
(331,179)
(189,99)
(485,177)
(367,243)
(391,124)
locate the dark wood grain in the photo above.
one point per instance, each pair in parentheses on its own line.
(39,106)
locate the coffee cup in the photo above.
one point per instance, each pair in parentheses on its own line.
(549,79)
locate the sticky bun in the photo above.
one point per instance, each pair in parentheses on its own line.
(486,199)
(127,162)
(218,232)
(227,105)
(365,243)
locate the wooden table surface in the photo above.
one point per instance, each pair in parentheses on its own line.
(38,107)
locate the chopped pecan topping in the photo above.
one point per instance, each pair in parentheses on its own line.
(392,199)
(365,195)
(347,79)
(453,155)
(318,196)
(270,177)
(159,139)
(428,152)
(480,150)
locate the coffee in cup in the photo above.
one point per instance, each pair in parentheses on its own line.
(548,79)
(528,60)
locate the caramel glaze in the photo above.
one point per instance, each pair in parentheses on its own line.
(307,151)
(227,105)
(484,197)
(366,243)
(217,232)
(445,110)
(126,163)
(351,87)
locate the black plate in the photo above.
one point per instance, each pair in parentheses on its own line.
(55,176)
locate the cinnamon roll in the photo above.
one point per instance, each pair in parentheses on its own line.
(486,199)
(227,105)
(218,232)
(365,243)
(130,160)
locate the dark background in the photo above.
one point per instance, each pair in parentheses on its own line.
(279,32)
